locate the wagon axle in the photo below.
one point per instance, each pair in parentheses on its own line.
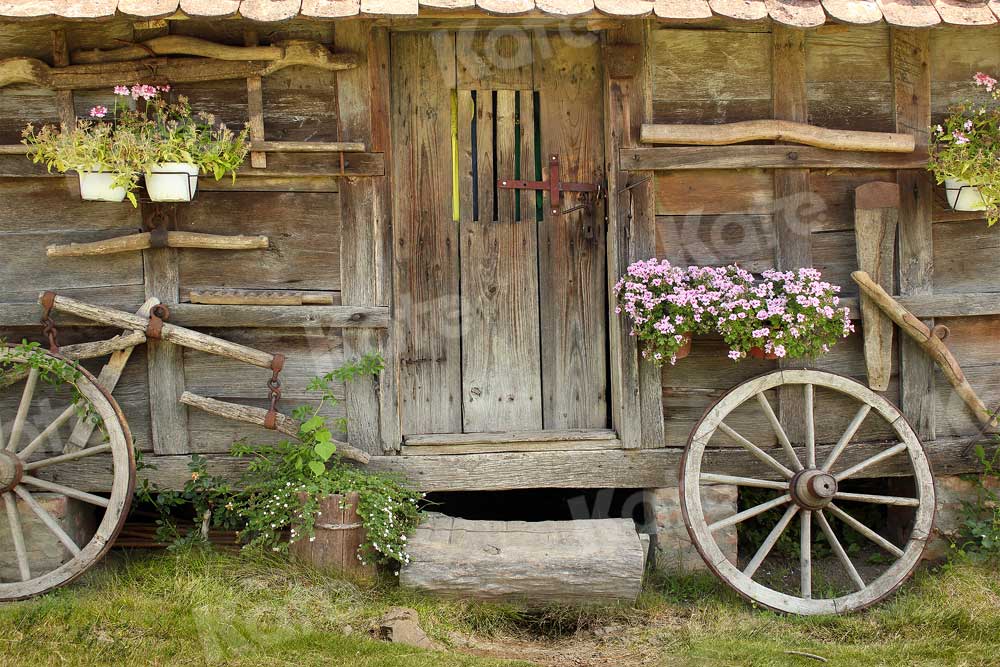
(11,471)
(813,488)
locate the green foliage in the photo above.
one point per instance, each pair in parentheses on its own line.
(19,359)
(966,145)
(134,141)
(980,531)
(278,498)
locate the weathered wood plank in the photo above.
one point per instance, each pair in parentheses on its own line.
(366,219)
(777,130)
(425,259)
(636,402)
(494,59)
(912,99)
(501,359)
(765,157)
(876,218)
(572,255)
(714,192)
(574,469)
(792,228)
(164,360)
(510,437)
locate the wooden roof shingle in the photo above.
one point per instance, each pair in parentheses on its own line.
(798,13)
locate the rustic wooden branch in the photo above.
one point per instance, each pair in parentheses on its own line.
(250,415)
(174,70)
(170,332)
(176,45)
(778,130)
(876,216)
(250,297)
(81,351)
(134,242)
(918,331)
(764,157)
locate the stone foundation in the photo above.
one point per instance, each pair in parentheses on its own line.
(951,492)
(45,551)
(674,549)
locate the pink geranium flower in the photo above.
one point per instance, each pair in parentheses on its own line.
(99,112)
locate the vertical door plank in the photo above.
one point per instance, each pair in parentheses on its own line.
(365,245)
(501,371)
(426,264)
(484,154)
(572,259)
(528,211)
(912,91)
(466,111)
(636,384)
(793,235)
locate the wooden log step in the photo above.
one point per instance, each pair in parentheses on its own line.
(778,130)
(575,562)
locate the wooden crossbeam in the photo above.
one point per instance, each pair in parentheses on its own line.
(778,130)
(135,242)
(764,157)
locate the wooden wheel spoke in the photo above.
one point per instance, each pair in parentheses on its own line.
(779,431)
(805,554)
(48,520)
(845,439)
(65,490)
(44,436)
(880,500)
(861,528)
(768,544)
(17,536)
(72,456)
(878,458)
(22,410)
(838,549)
(757,452)
(750,513)
(809,395)
(710,478)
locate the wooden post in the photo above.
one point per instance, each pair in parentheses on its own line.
(636,385)
(255,106)
(912,90)
(366,231)
(793,236)
(876,214)
(165,362)
(64,98)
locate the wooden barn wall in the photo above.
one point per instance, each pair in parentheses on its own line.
(301,216)
(715,217)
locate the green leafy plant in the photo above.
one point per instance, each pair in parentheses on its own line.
(141,131)
(980,530)
(278,498)
(966,145)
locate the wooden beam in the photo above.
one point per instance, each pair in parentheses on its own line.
(291,164)
(764,157)
(143,241)
(255,106)
(64,98)
(792,229)
(366,236)
(911,79)
(598,469)
(220,317)
(636,392)
(307,146)
(876,216)
(164,361)
(177,45)
(778,130)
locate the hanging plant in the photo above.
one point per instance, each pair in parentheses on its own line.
(163,141)
(965,152)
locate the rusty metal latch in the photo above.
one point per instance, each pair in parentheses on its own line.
(555,188)
(274,392)
(48,300)
(157,315)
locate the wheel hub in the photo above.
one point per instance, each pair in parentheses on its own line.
(813,489)
(11,471)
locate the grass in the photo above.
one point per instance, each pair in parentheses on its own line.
(210,608)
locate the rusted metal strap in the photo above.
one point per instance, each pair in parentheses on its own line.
(159,313)
(274,392)
(48,300)
(158,238)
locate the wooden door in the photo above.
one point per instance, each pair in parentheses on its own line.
(500,304)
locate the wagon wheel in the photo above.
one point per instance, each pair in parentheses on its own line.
(805,488)
(28,468)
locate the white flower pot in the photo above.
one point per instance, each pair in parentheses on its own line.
(962,196)
(96,185)
(172,182)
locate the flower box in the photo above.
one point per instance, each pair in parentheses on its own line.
(97,185)
(962,196)
(172,182)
